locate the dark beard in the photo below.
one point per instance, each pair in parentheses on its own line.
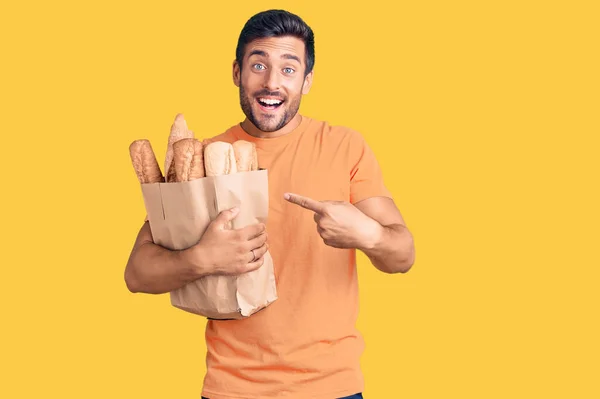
(292,109)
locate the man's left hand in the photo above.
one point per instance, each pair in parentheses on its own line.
(339,223)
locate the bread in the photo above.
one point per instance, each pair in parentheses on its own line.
(188,159)
(219,159)
(179,130)
(245,156)
(171,177)
(144,162)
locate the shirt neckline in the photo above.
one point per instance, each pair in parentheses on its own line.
(273,142)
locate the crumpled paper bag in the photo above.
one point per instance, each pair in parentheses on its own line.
(180,212)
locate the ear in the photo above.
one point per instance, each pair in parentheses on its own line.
(308,82)
(236,73)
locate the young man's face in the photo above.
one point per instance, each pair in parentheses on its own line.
(272,81)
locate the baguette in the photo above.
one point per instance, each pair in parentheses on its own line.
(219,159)
(144,162)
(171,176)
(188,159)
(179,130)
(245,156)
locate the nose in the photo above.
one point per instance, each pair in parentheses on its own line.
(272,80)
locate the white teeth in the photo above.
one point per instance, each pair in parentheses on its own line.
(270,101)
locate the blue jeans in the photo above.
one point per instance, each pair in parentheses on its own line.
(355,396)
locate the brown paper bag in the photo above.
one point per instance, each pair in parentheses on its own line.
(180,212)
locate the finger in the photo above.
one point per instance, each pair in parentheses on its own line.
(224,218)
(257,242)
(253,264)
(320,229)
(252,231)
(259,252)
(242,267)
(251,256)
(317,217)
(249,267)
(305,202)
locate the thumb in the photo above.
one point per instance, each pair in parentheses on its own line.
(226,216)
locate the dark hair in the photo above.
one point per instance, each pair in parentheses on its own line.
(275,23)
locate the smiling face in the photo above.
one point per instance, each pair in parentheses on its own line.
(272,82)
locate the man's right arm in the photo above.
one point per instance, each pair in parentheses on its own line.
(154,269)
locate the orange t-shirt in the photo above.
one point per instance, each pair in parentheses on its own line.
(305,345)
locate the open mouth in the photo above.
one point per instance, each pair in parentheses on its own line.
(269,104)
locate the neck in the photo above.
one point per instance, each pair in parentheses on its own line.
(252,130)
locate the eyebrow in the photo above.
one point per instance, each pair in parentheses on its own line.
(291,57)
(263,54)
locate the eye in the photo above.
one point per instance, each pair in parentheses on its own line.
(288,70)
(258,66)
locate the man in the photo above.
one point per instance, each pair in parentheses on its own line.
(326,200)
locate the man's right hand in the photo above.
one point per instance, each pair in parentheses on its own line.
(154,269)
(230,252)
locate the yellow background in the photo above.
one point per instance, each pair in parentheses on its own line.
(485,118)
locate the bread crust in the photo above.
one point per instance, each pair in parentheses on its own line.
(188,159)
(219,159)
(144,162)
(179,130)
(245,155)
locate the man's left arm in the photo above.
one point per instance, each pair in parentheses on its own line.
(369,221)
(391,247)
(373,225)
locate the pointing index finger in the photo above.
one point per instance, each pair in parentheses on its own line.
(305,202)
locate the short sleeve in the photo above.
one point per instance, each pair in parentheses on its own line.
(366,177)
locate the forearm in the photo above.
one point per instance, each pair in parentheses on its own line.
(391,250)
(153,269)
